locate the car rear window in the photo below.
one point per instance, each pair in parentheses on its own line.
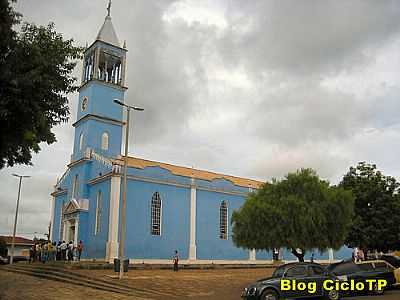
(315,270)
(345,268)
(296,271)
(278,272)
(366,267)
(383,266)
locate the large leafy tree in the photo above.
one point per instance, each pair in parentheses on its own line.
(36,67)
(376,223)
(300,211)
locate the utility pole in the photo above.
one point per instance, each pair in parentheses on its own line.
(16,216)
(123,210)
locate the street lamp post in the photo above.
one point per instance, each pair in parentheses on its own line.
(16,216)
(123,210)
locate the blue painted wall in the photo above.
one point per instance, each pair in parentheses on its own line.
(175,221)
(96,243)
(343,253)
(59,202)
(83,232)
(209,244)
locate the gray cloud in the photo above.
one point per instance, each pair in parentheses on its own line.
(308,37)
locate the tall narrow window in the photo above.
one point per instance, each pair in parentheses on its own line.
(104,141)
(75,187)
(156,214)
(81,142)
(99,204)
(223,221)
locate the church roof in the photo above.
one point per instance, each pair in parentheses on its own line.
(195,173)
(107,33)
(18,240)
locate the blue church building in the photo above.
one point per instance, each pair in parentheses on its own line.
(168,207)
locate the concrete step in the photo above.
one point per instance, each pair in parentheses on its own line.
(60,271)
(76,281)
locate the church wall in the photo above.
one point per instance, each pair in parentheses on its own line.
(83,233)
(209,244)
(221,185)
(59,202)
(263,255)
(96,129)
(100,100)
(343,253)
(96,243)
(175,221)
(157,173)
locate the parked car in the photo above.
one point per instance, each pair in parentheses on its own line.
(391,259)
(312,274)
(363,271)
(3,260)
(19,258)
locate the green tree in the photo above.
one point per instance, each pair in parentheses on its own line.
(377,209)
(299,212)
(36,67)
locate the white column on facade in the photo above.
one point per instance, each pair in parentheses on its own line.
(330,251)
(52,213)
(192,246)
(76,231)
(123,71)
(64,237)
(252,254)
(112,243)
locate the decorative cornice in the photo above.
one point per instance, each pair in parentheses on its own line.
(139,163)
(99,118)
(108,84)
(101,178)
(59,192)
(108,44)
(188,186)
(77,162)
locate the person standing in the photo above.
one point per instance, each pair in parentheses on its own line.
(80,249)
(70,251)
(63,247)
(355,254)
(175,260)
(58,250)
(361,256)
(275,254)
(32,253)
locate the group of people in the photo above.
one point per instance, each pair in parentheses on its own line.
(51,251)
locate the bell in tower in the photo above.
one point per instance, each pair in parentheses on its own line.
(104,60)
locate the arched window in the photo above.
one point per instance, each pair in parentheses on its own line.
(156,214)
(223,221)
(104,141)
(81,142)
(99,203)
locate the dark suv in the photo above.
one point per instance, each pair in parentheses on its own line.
(309,275)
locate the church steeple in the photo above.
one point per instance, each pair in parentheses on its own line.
(99,119)
(105,59)
(107,32)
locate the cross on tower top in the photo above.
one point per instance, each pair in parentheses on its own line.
(109,8)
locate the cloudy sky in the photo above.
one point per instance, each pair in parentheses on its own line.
(247,88)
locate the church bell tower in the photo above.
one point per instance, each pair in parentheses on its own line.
(99,120)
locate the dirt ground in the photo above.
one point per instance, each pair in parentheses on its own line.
(219,284)
(185,284)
